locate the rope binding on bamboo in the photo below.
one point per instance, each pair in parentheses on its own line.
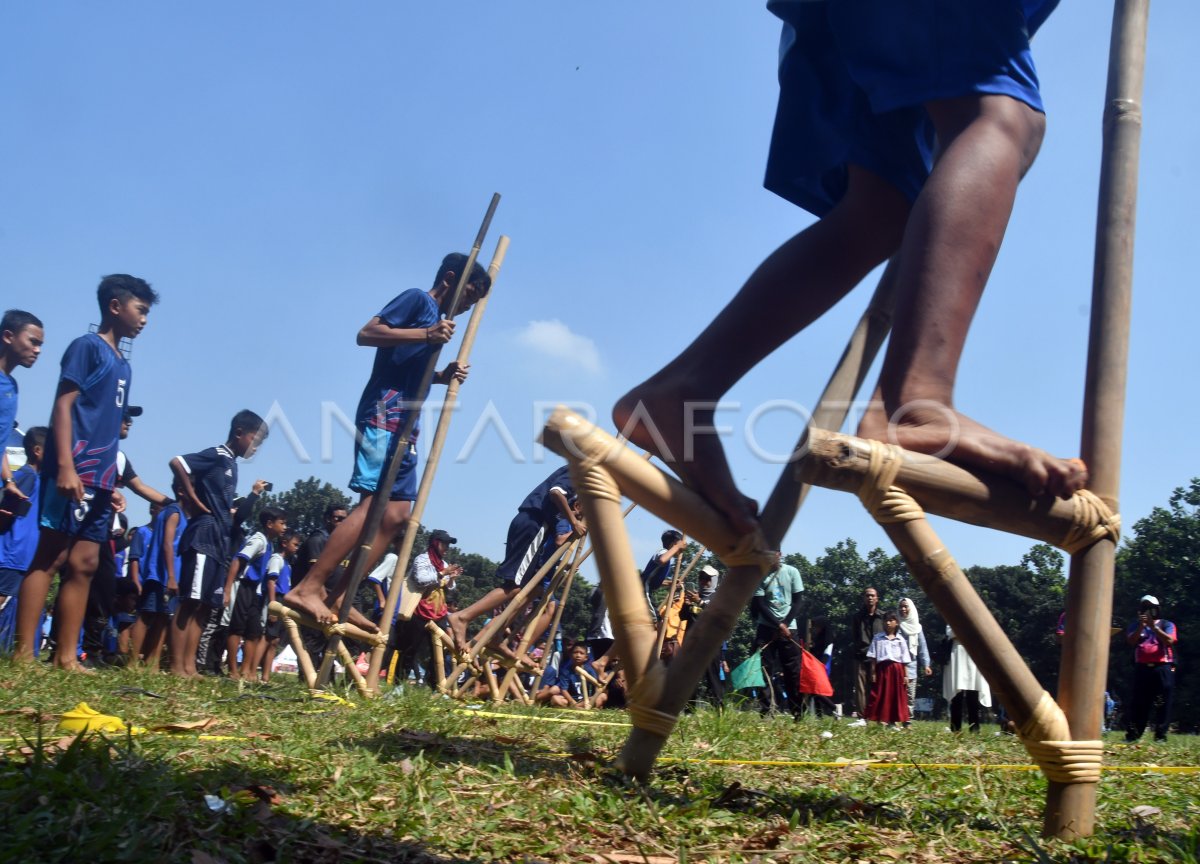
(1093,520)
(1061,761)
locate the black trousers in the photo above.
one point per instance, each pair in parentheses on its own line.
(1153,692)
(971,699)
(782,658)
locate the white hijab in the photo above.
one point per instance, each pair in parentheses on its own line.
(910,625)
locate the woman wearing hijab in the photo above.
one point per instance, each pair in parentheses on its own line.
(962,682)
(918,649)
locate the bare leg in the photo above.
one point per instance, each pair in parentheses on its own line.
(232,643)
(49,559)
(950,245)
(310,596)
(798,283)
(137,638)
(459,620)
(83,556)
(153,644)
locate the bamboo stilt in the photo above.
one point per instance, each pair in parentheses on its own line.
(302,658)
(842,462)
(379,502)
(563,580)
(1071,808)
(360,683)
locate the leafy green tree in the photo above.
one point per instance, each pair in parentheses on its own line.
(304,503)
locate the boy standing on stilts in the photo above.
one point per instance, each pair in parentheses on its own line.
(909,142)
(404,333)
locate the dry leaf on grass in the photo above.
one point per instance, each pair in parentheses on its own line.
(407,767)
(1145,811)
(49,746)
(187,725)
(632,858)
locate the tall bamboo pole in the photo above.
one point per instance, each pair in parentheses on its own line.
(400,582)
(380,500)
(1071,809)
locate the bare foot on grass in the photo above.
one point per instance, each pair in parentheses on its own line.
(950,435)
(660,417)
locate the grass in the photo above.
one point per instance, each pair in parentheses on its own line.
(413,778)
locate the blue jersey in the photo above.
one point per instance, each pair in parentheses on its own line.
(19,542)
(103,377)
(396,375)
(153,563)
(8,405)
(214,476)
(137,548)
(541,504)
(257,554)
(279,570)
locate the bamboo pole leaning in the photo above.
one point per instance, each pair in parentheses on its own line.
(379,501)
(1071,808)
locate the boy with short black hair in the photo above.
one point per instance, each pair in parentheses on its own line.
(80,468)
(245,587)
(405,334)
(207,481)
(21,338)
(19,534)
(279,582)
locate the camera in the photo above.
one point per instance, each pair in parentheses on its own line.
(267,487)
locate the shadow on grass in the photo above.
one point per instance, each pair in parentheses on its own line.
(103,800)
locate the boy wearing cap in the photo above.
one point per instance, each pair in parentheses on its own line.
(1153,640)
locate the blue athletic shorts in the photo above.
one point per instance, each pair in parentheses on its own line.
(201,578)
(371,456)
(10,581)
(154,600)
(854,76)
(89,519)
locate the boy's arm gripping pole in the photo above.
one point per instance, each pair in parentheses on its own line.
(379,500)
(404,555)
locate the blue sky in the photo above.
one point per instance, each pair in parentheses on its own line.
(280,170)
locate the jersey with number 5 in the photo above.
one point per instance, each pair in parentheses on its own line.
(102,376)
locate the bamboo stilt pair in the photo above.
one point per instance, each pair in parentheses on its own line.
(1063,741)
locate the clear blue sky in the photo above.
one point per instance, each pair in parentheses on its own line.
(280,170)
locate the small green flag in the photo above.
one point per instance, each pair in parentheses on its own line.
(748,673)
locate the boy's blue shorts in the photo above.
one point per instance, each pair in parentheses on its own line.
(154,600)
(371,456)
(854,76)
(89,519)
(10,581)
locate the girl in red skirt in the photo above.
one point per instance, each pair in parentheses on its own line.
(889,656)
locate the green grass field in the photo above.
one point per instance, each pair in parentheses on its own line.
(279,776)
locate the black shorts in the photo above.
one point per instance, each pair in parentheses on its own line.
(246,617)
(273,630)
(200,577)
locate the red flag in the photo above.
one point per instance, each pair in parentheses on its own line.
(813,678)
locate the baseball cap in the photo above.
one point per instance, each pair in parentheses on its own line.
(439,534)
(710,571)
(1149,598)
(133,411)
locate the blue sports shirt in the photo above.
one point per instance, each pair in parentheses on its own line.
(153,566)
(19,542)
(396,375)
(8,406)
(214,476)
(103,377)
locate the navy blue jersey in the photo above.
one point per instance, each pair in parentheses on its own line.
(540,503)
(655,572)
(103,377)
(396,375)
(214,477)
(153,566)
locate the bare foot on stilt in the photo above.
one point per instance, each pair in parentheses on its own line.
(458,631)
(676,427)
(308,603)
(950,435)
